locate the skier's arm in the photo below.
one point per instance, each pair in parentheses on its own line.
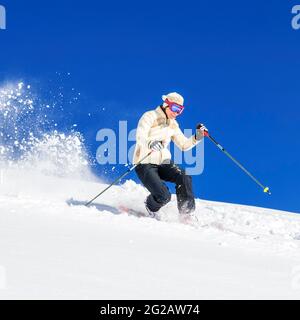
(143,129)
(182,142)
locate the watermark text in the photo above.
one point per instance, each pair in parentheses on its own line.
(2,17)
(296,18)
(114,149)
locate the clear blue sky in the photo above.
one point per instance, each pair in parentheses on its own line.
(235,62)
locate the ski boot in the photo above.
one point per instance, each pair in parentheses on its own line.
(152,214)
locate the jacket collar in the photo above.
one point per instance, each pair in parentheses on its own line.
(163,114)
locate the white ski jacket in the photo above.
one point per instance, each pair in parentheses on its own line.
(154,125)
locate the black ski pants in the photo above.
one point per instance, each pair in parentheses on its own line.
(153,177)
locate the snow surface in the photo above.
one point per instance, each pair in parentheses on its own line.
(53,247)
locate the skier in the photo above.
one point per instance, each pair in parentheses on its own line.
(155,130)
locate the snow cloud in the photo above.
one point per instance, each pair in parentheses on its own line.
(29,138)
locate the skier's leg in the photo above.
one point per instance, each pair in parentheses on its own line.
(184,189)
(159,192)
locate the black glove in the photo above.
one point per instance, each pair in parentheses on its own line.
(155,145)
(201,131)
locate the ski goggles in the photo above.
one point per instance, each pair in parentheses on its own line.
(174,107)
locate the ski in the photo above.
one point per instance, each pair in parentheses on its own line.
(183,219)
(136,213)
(130,211)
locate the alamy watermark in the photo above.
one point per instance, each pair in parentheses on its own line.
(296,19)
(114,149)
(2,17)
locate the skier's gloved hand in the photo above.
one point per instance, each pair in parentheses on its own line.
(155,145)
(201,131)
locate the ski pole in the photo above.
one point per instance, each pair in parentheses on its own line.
(265,189)
(118,179)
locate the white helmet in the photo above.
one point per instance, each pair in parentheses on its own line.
(173,97)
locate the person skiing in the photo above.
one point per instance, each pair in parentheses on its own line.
(156,129)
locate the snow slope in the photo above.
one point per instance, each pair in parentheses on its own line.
(53,250)
(53,247)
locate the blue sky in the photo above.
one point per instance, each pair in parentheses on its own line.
(235,62)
